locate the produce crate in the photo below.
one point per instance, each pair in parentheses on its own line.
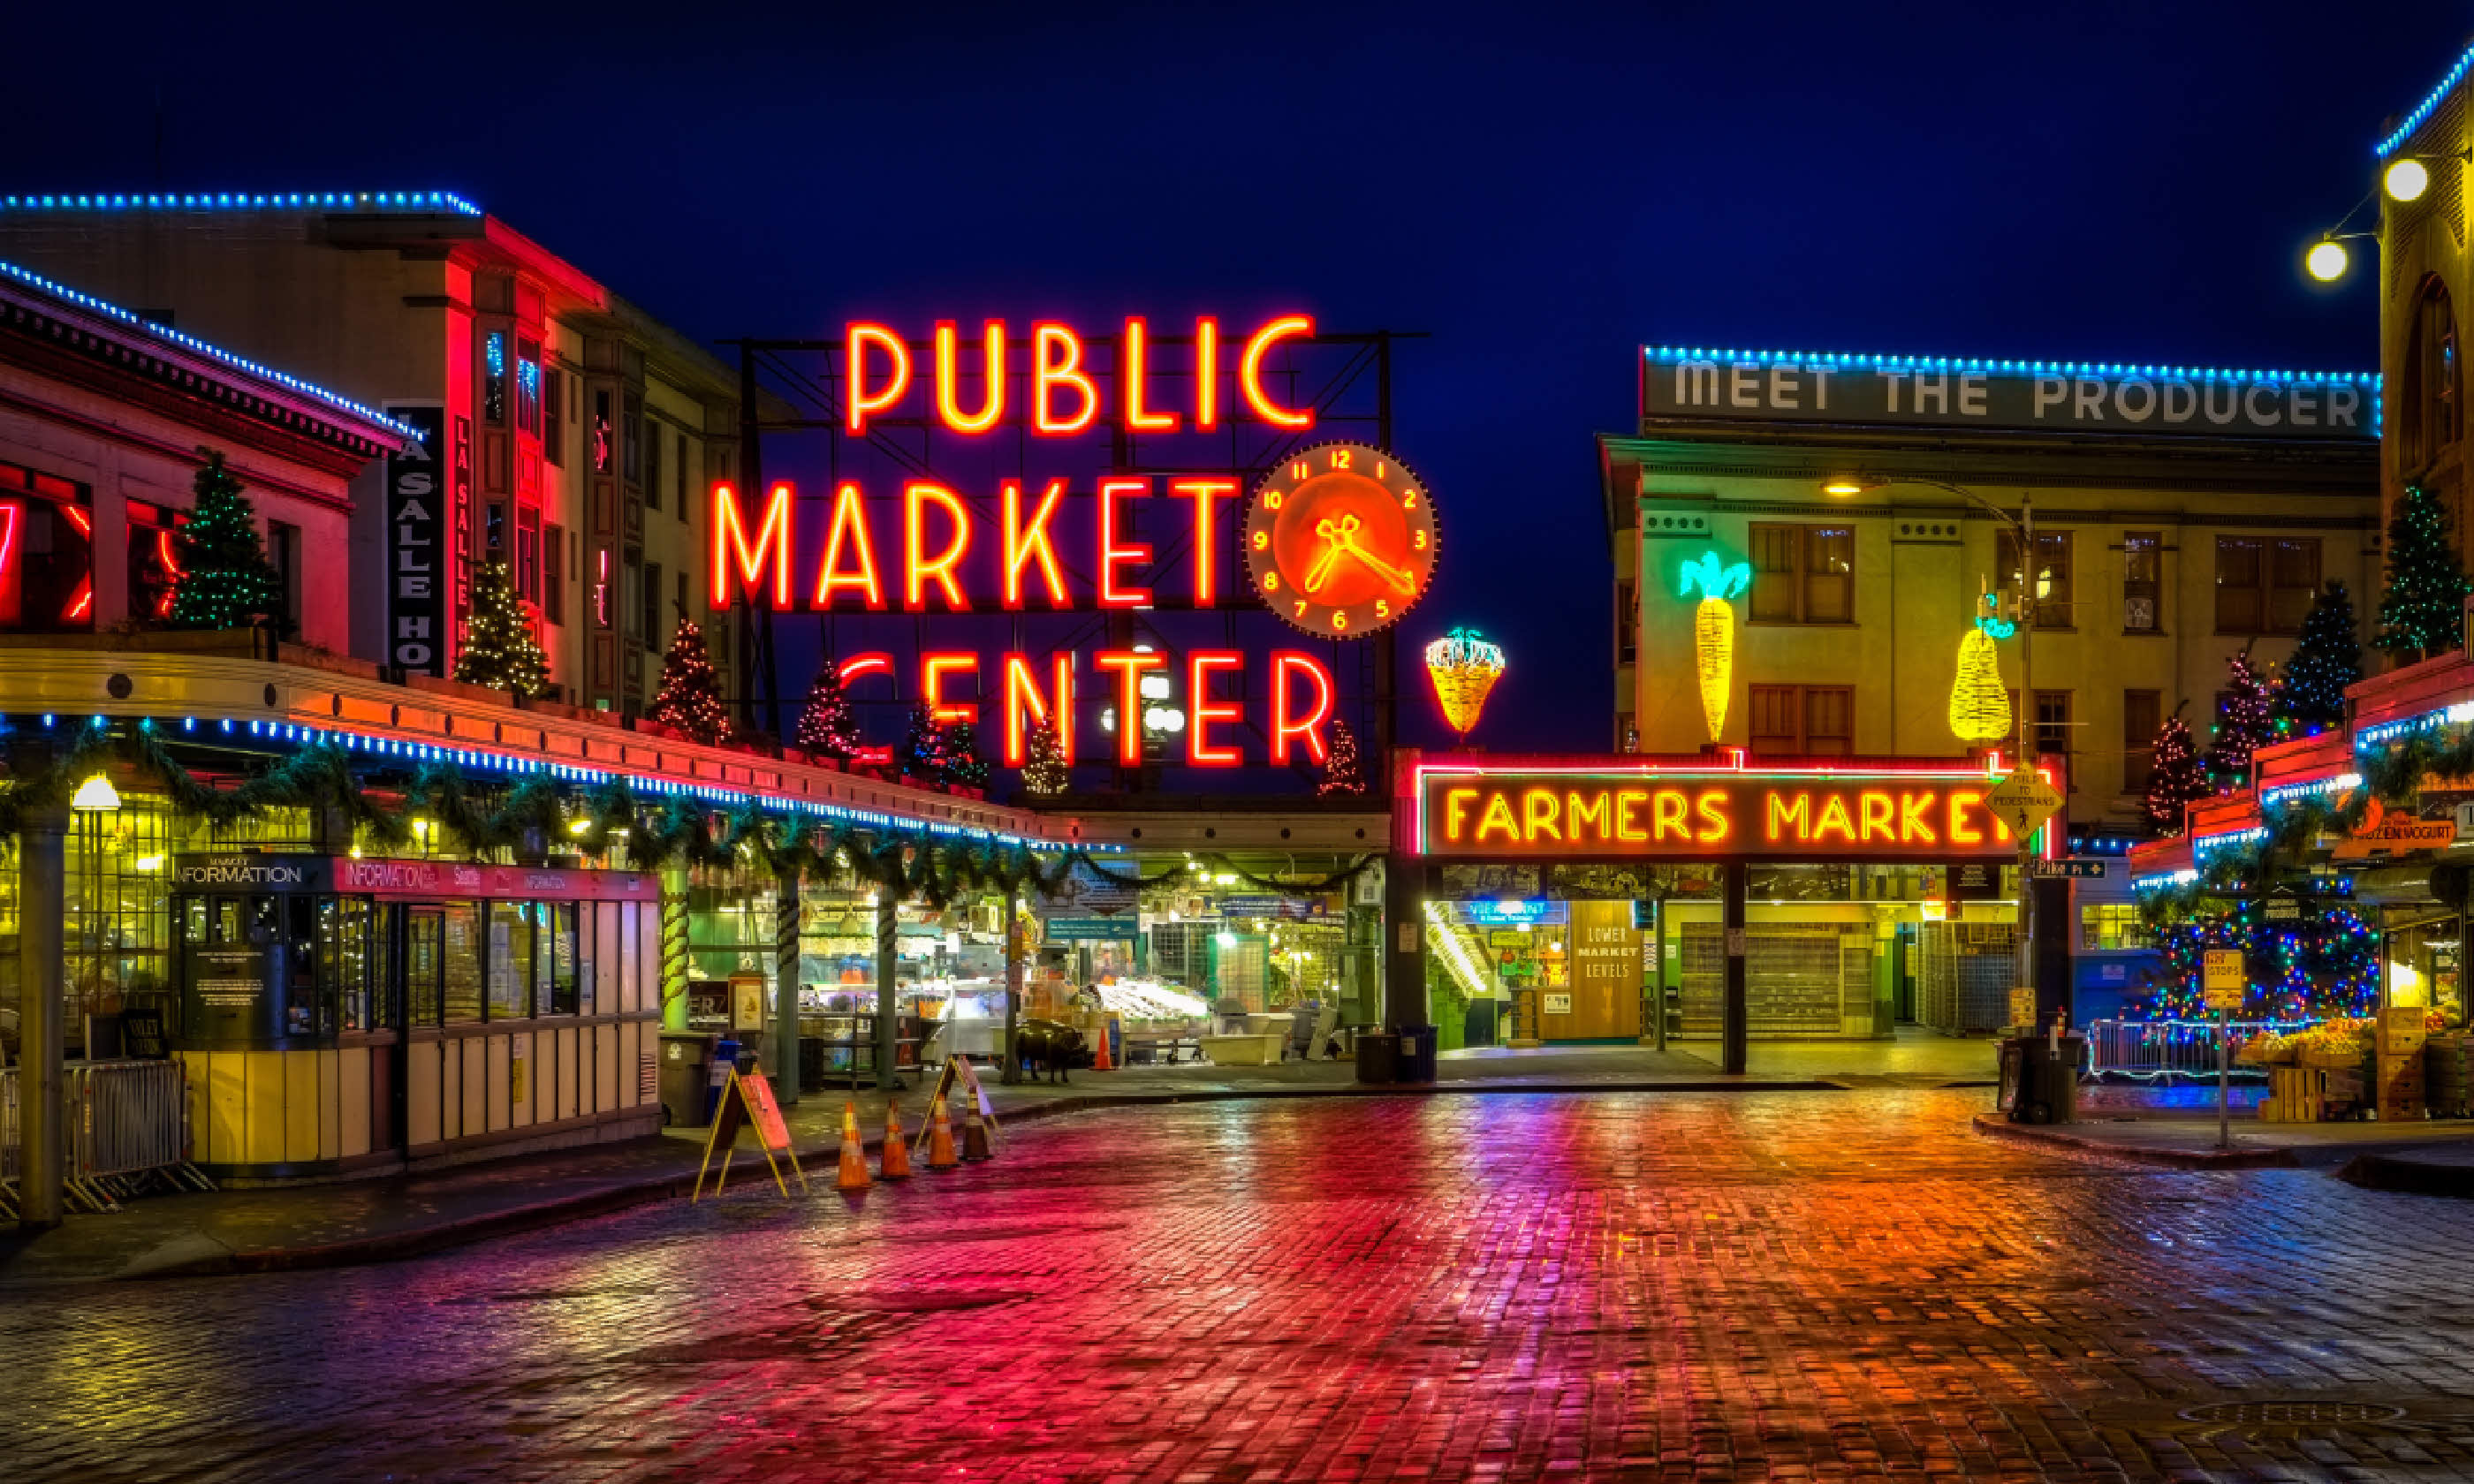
(2447,1085)
(2295,1095)
(2331,1061)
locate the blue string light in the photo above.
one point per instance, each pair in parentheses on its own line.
(373,202)
(2423,109)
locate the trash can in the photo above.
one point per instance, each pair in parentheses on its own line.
(1417,1062)
(1378,1053)
(2040,1078)
(687,1060)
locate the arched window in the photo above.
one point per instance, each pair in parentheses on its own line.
(2434,410)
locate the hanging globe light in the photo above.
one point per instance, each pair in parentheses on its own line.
(1464,666)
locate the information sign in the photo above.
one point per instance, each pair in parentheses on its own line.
(746,1101)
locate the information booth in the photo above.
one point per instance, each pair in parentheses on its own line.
(1713,896)
(342,1013)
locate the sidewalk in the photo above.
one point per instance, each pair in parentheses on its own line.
(404,1215)
(2182,1138)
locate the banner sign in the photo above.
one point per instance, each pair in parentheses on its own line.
(351,875)
(1586,812)
(1090,929)
(1768,386)
(416,528)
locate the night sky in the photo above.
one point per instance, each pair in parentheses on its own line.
(1541,188)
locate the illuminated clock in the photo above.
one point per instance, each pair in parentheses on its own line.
(1340,539)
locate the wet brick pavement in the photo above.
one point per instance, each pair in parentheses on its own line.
(1806,1285)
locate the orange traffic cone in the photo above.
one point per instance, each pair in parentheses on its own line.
(1100,1061)
(854,1174)
(975,1134)
(896,1159)
(940,1137)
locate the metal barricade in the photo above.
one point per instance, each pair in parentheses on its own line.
(127,1131)
(2147,1050)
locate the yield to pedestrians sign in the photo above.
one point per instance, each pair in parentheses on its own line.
(2023,802)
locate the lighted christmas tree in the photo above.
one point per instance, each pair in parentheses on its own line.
(1342,772)
(2175,777)
(498,646)
(689,701)
(2423,610)
(2328,657)
(922,755)
(226,581)
(2306,968)
(2243,723)
(963,764)
(1043,765)
(828,727)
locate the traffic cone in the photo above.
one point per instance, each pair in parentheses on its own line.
(1100,1061)
(975,1134)
(940,1137)
(852,1175)
(896,1159)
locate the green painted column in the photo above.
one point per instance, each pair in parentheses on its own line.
(42,908)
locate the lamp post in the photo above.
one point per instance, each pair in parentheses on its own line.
(2030,590)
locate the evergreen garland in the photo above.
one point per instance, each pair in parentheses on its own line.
(2327,658)
(1342,771)
(498,646)
(226,581)
(2175,777)
(689,700)
(828,726)
(2422,612)
(2243,723)
(1044,773)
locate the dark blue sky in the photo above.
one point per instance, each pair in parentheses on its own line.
(1540,187)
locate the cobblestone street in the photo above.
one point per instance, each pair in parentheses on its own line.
(1798,1285)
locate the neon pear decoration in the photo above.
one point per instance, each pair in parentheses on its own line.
(1714,632)
(1464,666)
(1979,703)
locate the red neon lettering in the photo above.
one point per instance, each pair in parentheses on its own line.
(1111,554)
(1129,666)
(850,525)
(918,569)
(1287,722)
(1133,369)
(933,666)
(1249,373)
(1206,373)
(1025,543)
(1201,710)
(1206,560)
(874,662)
(1047,374)
(1022,697)
(729,547)
(949,378)
(856,341)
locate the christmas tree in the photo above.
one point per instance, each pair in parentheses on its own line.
(828,727)
(2328,657)
(963,764)
(225,582)
(690,702)
(2243,723)
(1342,773)
(922,757)
(2306,968)
(2175,777)
(1043,765)
(498,646)
(2423,612)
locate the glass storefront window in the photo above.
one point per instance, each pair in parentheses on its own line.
(511,959)
(460,962)
(2113,927)
(425,955)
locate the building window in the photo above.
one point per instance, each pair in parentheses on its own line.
(1802,721)
(553,595)
(2141,714)
(2113,927)
(283,554)
(46,553)
(631,446)
(651,619)
(154,560)
(528,555)
(529,388)
(2054,722)
(1626,623)
(1804,574)
(601,432)
(682,611)
(2053,609)
(554,417)
(494,378)
(2264,584)
(2142,562)
(2434,412)
(653,472)
(679,478)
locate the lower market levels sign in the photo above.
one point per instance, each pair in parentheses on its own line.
(1626,809)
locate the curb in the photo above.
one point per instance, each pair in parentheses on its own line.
(674,1185)
(2408,1177)
(2048,1137)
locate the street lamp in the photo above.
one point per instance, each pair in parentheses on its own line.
(2327,260)
(2035,583)
(94,795)
(2406,180)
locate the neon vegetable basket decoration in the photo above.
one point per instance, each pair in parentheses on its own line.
(1464,666)
(1714,632)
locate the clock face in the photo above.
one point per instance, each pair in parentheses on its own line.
(1341,540)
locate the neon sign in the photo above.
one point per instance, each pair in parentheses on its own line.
(1340,539)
